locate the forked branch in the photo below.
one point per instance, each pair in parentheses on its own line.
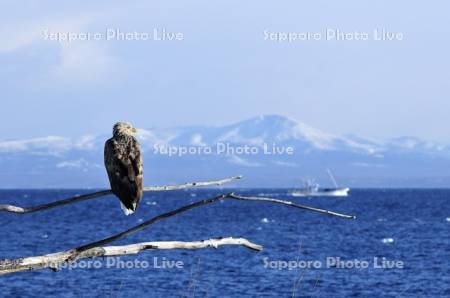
(96,248)
(89,196)
(204,202)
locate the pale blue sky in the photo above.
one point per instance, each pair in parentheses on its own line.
(224,71)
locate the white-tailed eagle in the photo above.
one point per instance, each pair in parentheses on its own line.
(123,163)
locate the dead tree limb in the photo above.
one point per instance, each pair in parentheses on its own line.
(57,260)
(289,203)
(96,248)
(85,197)
(182,209)
(185,208)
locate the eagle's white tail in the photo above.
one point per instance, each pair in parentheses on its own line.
(126,210)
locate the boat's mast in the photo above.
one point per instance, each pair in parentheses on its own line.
(332,178)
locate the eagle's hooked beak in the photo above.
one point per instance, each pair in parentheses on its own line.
(134,130)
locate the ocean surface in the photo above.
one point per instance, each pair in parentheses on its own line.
(305,254)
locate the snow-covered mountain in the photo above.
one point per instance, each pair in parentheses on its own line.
(269,150)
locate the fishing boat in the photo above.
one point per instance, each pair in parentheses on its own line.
(313,189)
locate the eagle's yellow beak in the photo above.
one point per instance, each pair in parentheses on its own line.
(134,129)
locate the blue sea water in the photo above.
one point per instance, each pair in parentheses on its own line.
(405,226)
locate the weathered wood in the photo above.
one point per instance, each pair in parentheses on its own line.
(89,196)
(289,203)
(192,184)
(80,198)
(56,260)
(97,248)
(200,203)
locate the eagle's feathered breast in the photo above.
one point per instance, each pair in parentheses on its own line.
(123,163)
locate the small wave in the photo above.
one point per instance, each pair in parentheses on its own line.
(417,220)
(387,240)
(265,220)
(193,195)
(381,219)
(447,219)
(150,203)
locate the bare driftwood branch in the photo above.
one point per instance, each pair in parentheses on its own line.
(80,198)
(288,203)
(56,260)
(182,209)
(199,204)
(96,248)
(192,184)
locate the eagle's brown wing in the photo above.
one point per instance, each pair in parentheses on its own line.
(123,163)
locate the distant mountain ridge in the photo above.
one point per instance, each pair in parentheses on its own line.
(57,161)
